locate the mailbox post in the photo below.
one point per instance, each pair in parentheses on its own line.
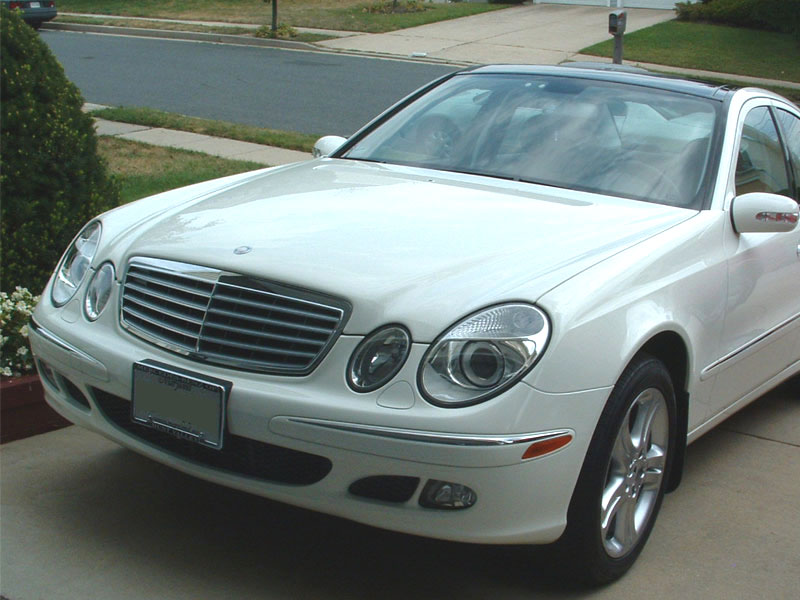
(616,26)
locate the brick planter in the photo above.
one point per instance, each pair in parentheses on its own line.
(23,411)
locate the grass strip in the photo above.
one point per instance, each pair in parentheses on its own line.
(177,26)
(143,170)
(151,117)
(112,22)
(347,15)
(717,48)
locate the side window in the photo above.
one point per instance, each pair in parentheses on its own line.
(761,166)
(790,127)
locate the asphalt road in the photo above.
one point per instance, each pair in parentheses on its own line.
(310,92)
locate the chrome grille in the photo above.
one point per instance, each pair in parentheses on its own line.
(229,319)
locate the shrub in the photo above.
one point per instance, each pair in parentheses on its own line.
(15,312)
(776,15)
(51,177)
(283,31)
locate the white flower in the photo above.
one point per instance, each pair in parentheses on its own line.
(23,331)
(22,351)
(6,372)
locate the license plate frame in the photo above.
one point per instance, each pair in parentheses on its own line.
(186,405)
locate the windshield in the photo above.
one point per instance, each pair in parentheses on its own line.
(597,136)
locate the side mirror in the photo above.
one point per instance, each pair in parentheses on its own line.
(759,212)
(327,145)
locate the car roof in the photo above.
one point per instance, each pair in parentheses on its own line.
(614,73)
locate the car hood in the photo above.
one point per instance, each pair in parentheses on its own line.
(414,246)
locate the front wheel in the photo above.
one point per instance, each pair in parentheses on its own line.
(621,485)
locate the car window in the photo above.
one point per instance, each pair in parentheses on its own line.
(596,136)
(790,127)
(761,166)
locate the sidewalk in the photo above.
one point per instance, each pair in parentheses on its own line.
(222,147)
(532,34)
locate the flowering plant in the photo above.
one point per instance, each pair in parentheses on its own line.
(15,312)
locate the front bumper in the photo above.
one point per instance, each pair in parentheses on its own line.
(324,437)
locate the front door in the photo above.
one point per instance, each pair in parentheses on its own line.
(762,325)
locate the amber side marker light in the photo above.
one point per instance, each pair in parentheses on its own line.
(538,449)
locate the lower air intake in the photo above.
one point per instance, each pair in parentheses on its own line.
(239,455)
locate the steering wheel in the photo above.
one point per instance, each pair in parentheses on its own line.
(436,136)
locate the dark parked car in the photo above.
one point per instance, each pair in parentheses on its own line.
(34,12)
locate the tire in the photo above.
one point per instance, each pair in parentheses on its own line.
(624,475)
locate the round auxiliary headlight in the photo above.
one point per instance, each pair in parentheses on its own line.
(99,291)
(75,264)
(378,358)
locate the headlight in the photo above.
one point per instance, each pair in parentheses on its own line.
(99,291)
(75,264)
(378,358)
(483,355)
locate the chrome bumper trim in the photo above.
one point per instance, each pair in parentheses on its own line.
(432,437)
(37,329)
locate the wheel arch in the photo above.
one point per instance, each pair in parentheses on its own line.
(670,348)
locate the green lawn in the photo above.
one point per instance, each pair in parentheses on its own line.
(246,133)
(712,48)
(143,170)
(348,15)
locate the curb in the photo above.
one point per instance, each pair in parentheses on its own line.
(193,36)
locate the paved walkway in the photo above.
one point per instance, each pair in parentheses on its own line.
(225,148)
(532,34)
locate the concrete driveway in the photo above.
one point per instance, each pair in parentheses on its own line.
(84,519)
(534,34)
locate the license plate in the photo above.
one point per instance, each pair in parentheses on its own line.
(181,403)
(34,5)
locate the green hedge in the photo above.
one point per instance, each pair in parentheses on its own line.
(51,178)
(776,15)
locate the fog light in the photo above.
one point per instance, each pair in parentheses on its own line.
(46,372)
(448,495)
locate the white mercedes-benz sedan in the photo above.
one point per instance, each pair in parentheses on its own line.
(496,314)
